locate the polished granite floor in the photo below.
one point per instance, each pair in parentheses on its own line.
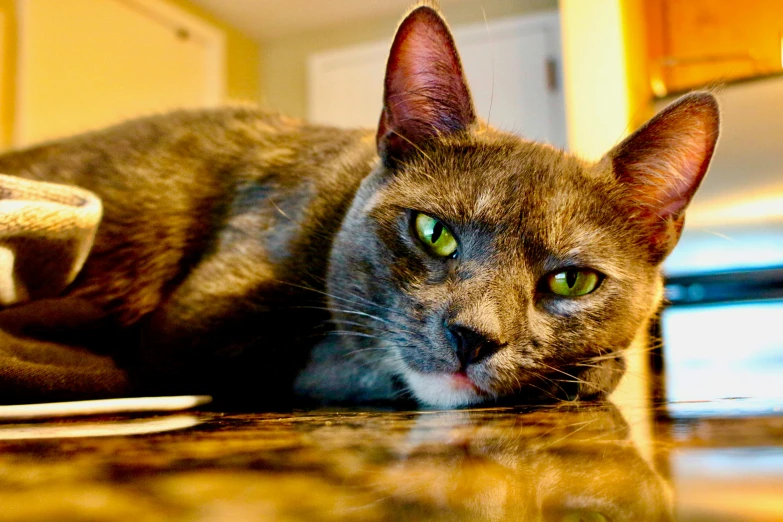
(566,463)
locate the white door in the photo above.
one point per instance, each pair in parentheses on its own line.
(84,64)
(512,66)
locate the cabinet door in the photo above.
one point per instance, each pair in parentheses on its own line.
(512,67)
(701,42)
(85,64)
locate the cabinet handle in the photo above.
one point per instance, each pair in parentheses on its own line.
(552,80)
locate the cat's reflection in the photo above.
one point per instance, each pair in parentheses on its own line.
(565,464)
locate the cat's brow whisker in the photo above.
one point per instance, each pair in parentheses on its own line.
(492,62)
(409,142)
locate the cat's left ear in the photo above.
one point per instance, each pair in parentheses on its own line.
(425,92)
(662,164)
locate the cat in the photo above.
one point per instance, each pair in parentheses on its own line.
(435,259)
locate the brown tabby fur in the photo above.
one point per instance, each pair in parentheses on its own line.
(239,247)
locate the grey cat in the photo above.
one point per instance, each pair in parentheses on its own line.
(437,259)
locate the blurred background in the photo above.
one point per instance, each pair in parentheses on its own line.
(579,74)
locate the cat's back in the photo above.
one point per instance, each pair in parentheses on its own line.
(171,184)
(183,146)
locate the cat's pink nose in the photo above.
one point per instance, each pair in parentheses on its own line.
(470,345)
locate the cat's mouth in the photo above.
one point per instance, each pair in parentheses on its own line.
(459,389)
(461,381)
(445,390)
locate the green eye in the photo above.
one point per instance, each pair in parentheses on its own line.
(435,235)
(572,283)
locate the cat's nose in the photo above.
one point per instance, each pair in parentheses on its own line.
(470,345)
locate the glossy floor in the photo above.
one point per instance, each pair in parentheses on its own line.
(568,463)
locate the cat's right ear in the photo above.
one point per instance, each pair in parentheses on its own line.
(425,92)
(661,165)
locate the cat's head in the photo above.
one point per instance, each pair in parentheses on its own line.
(479,266)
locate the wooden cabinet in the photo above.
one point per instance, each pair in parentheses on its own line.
(693,43)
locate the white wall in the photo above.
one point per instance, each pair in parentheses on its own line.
(284,60)
(506,64)
(736,218)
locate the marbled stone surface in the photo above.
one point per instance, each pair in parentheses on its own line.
(566,463)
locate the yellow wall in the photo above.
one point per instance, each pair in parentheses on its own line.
(604,61)
(637,66)
(284,60)
(242,56)
(607,97)
(594,64)
(7,70)
(242,62)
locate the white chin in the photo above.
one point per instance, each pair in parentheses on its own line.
(437,390)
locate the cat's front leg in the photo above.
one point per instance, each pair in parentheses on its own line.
(230,328)
(334,376)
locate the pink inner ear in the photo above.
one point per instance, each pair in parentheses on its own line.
(688,165)
(670,177)
(664,162)
(425,91)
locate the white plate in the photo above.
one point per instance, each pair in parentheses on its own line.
(18,412)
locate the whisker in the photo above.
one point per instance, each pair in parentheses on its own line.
(344,322)
(351,333)
(583,426)
(492,62)
(346,311)
(558,370)
(361,300)
(413,145)
(556,383)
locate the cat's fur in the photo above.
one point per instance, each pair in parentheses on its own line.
(234,242)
